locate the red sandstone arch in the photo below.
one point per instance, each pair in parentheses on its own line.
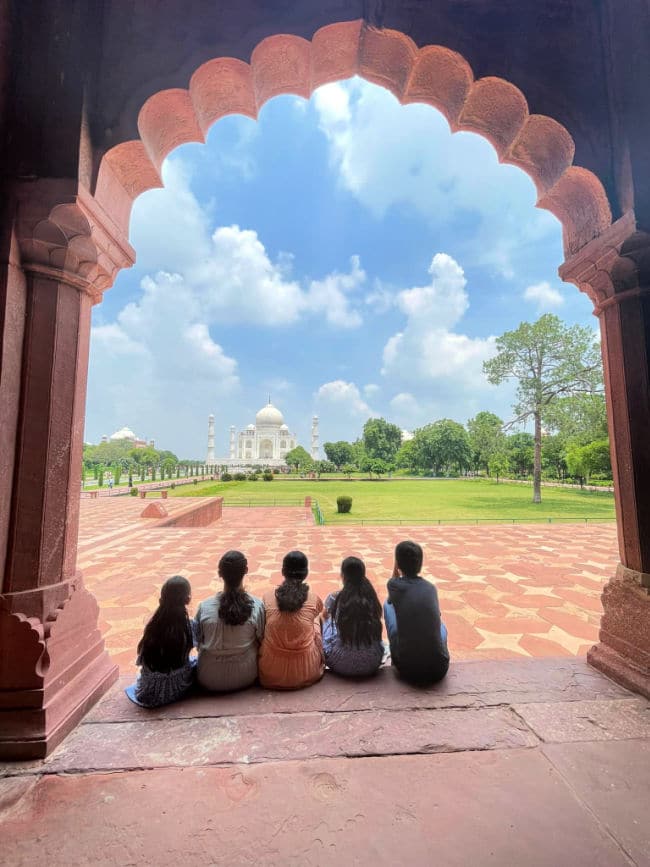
(433,75)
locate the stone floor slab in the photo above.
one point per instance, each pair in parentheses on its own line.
(604,720)
(285,737)
(508,808)
(613,780)
(468,684)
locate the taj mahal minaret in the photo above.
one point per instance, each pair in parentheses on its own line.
(315,443)
(210,460)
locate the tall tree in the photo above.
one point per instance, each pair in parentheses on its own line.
(485,438)
(299,459)
(443,445)
(520,448)
(381,439)
(339,453)
(580,419)
(549,361)
(406,457)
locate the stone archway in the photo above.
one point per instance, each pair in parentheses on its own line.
(433,75)
(69,244)
(265,449)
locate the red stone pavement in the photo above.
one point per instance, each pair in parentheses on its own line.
(505,591)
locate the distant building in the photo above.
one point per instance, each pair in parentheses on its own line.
(264,443)
(126,434)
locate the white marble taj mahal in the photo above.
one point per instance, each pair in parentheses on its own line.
(264,443)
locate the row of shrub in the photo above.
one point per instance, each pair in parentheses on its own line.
(267,476)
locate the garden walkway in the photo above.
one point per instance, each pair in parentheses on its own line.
(506,591)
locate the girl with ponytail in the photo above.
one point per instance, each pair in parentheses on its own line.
(352,624)
(291,655)
(229,629)
(167,673)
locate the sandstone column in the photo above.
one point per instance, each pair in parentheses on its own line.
(615,271)
(52,660)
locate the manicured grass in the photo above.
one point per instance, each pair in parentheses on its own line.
(426,500)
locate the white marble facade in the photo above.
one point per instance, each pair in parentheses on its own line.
(264,443)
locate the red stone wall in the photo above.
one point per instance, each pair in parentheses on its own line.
(198,514)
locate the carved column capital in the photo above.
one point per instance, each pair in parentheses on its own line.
(614,267)
(63,234)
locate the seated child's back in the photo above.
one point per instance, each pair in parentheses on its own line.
(417,637)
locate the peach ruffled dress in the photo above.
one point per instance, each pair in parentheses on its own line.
(291,653)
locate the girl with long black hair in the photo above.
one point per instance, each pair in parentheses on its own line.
(291,655)
(229,629)
(352,624)
(167,673)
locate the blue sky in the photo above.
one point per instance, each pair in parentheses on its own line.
(347,255)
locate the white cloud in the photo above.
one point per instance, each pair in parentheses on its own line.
(156,366)
(229,270)
(381,298)
(544,296)
(371,389)
(343,394)
(442,368)
(393,156)
(329,296)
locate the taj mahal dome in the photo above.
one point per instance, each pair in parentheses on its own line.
(264,443)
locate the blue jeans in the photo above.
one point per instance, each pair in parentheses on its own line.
(390,619)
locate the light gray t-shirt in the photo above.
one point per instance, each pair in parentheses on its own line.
(227,654)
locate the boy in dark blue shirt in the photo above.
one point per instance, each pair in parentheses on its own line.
(417,636)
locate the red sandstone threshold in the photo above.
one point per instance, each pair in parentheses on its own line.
(475,808)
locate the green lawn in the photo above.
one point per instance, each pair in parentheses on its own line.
(426,500)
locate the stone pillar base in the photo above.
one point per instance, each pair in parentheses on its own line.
(623,652)
(51,673)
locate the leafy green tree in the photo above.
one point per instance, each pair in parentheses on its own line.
(348,469)
(406,456)
(499,464)
(299,459)
(339,453)
(584,461)
(553,456)
(485,438)
(359,454)
(443,445)
(520,448)
(379,467)
(381,439)
(549,361)
(580,419)
(100,477)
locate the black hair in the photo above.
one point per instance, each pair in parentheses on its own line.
(356,609)
(235,605)
(167,637)
(292,594)
(408,556)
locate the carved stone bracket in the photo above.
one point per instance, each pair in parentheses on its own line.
(65,235)
(614,267)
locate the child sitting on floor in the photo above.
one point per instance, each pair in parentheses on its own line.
(229,629)
(167,672)
(417,636)
(291,653)
(352,624)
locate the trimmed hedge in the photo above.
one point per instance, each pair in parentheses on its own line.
(226,477)
(343,504)
(267,476)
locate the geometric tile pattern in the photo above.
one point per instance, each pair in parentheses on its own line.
(506,591)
